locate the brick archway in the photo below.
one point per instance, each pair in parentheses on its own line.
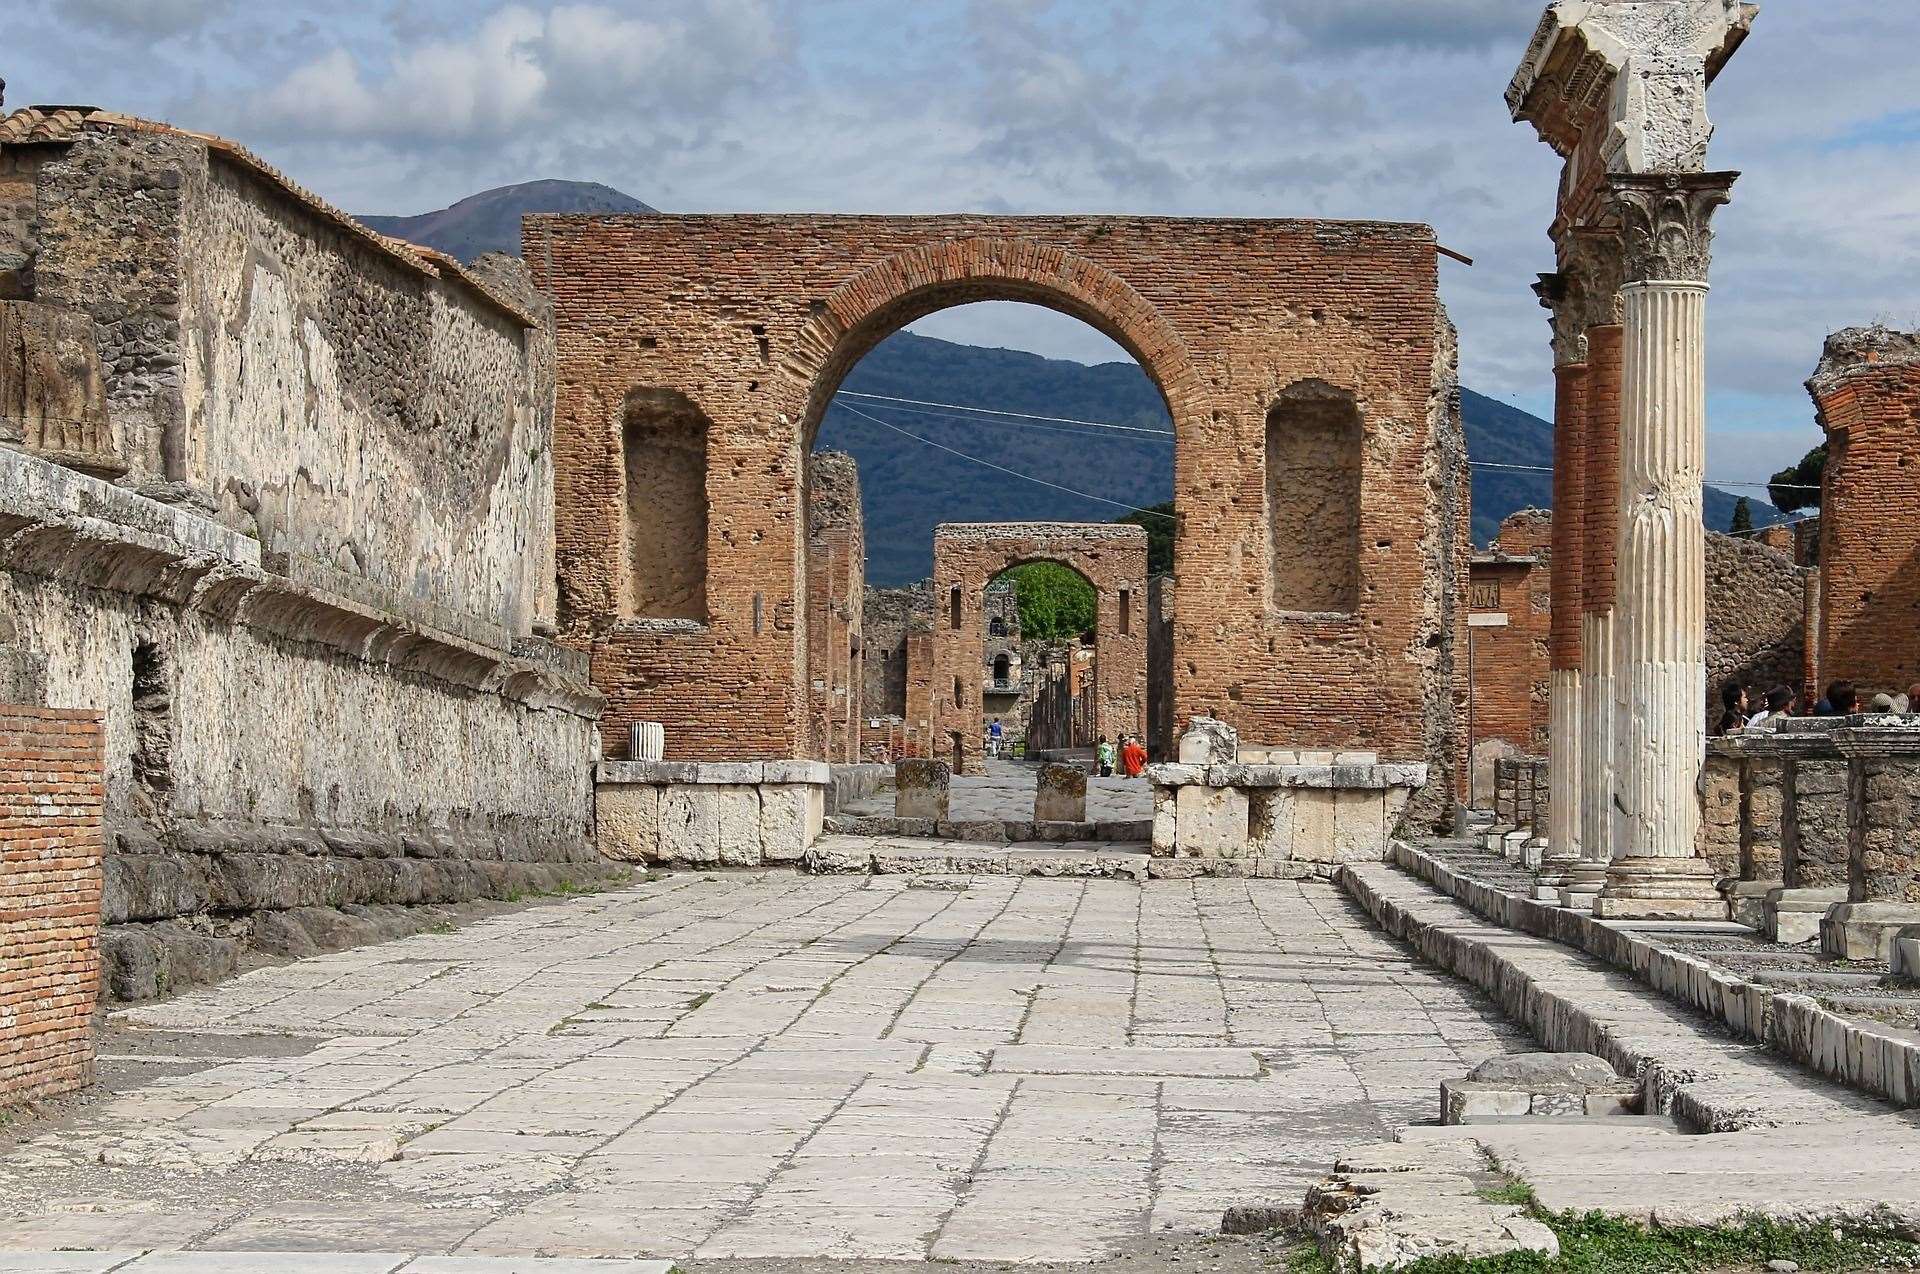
(752,320)
(967,556)
(930,277)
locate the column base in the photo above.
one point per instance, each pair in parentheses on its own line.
(1747,900)
(1660,889)
(1866,930)
(1585,880)
(1793,916)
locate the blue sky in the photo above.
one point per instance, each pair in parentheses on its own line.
(1382,108)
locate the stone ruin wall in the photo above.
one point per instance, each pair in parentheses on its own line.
(1867,392)
(306,609)
(896,671)
(788,303)
(1756,617)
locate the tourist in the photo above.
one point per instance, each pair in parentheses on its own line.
(1882,702)
(1133,757)
(993,737)
(1733,709)
(1841,699)
(1779,706)
(1103,754)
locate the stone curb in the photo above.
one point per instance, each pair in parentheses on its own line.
(1685,1068)
(1388,1206)
(1883,1061)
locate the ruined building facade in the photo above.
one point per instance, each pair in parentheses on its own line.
(1318,456)
(275,501)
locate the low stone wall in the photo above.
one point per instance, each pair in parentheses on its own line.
(281,739)
(1323,814)
(51,837)
(710,813)
(856,782)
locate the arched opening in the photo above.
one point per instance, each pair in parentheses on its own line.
(663,437)
(1313,444)
(1042,673)
(948,425)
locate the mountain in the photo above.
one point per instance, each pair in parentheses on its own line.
(909,486)
(490,220)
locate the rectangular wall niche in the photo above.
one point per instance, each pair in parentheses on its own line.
(1313,499)
(664,437)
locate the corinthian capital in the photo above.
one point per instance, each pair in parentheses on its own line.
(1664,222)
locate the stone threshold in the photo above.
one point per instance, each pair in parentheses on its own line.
(200,1261)
(1112,860)
(989,831)
(1875,1059)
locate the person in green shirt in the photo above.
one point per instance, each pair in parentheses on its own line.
(1103,752)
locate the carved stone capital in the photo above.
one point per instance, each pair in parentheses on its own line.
(1665,221)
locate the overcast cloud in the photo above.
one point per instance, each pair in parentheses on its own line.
(1388,109)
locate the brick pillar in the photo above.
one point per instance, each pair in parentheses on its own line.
(1599,504)
(1563,641)
(52,794)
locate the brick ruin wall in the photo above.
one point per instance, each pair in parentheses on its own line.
(1867,392)
(836,606)
(316,693)
(50,845)
(1510,662)
(969,556)
(892,675)
(1344,313)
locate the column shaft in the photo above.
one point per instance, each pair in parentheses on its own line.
(1563,685)
(1660,621)
(1598,509)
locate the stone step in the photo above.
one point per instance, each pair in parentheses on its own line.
(988,831)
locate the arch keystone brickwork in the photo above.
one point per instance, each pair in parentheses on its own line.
(755,320)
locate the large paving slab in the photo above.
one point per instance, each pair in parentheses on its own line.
(764,1065)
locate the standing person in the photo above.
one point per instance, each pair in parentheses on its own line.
(1133,757)
(1103,754)
(1733,709)
(993,737)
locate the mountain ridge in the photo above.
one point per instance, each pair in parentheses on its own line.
(489,221)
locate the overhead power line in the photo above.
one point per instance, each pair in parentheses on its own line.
(1085,495)
(1016,418)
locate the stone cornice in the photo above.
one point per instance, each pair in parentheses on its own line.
(1666,223)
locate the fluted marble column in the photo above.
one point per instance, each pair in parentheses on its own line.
(1659,646)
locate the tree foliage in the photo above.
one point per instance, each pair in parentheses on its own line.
(1785,488)
(1159,536)
(1056,602)
(1742,516)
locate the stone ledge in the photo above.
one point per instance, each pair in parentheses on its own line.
(1879,1060)
(65,526)
(732,773)
(1377,776)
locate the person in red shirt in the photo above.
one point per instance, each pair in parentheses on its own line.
(1133,758)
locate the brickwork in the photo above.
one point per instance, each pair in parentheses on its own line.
(1867,391)
(1601,491)
(756,319)
(969,556)
(52,800)
(1510,662)
(1569,492)
(836,606)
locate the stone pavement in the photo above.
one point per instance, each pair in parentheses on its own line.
(204,1262)
(769,1065)
(1004,790)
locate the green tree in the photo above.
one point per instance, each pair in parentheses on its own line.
(1798,487)
(1056,602)
(1159,531)
(1742,516)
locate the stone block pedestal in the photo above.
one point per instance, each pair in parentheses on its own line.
(1649,888)
(922,789)
(1060,795)
(1793,916)
(709,813)
(1747,900)
(1866,930)
(1301,813)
